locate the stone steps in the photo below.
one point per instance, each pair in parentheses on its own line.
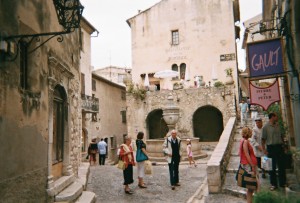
(71,189)
(70,193)
(86,197)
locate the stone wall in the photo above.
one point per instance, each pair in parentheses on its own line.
(188,101)
(25,116)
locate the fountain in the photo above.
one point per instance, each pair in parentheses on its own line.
(171,116)
(171,112)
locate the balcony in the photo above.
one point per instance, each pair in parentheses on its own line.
(89,104)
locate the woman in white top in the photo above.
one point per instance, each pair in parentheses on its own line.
(190,153)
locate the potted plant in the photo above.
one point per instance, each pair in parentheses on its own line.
(229,79)
(228,71)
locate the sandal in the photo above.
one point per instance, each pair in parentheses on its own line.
(142,186)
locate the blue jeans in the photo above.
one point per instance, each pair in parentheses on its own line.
(174,173)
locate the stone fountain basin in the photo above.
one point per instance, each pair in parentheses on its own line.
(155,149)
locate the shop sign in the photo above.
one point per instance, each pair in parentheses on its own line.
(265,58)
(264,96)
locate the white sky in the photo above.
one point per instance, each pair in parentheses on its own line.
(113,45)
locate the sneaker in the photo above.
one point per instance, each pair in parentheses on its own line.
(272,188)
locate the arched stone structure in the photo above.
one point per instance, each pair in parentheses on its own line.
(156,125)
(208,123)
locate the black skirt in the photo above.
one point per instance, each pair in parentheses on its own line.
(128,175)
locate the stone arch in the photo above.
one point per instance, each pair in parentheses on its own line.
(208,123)
(156,125)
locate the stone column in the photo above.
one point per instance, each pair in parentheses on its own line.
(51,83)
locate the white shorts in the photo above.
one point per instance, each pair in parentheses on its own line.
(140,169)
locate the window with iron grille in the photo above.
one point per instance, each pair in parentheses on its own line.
(175,37)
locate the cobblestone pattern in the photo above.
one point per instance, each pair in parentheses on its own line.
(107,183)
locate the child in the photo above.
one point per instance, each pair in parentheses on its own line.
(190,153)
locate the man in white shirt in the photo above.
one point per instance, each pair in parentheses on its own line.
(243,107)
(102,151)
(256,142)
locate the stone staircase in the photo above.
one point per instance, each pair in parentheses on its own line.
(72,189)
(229,185)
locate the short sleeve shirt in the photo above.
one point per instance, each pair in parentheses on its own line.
(272,134)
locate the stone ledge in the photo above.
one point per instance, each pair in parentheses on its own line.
(71,193)
(60,184)
(218,160)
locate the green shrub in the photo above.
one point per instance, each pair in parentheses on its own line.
(218,84)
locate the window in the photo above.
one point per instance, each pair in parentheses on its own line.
(175,37)
(23,65)
(123,114)
(94,85)
(94,117)
(123,95)
(81,42)
(120,78)
(175,68)
(182,71)
(82,84)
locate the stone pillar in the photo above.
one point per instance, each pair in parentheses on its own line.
(52,83)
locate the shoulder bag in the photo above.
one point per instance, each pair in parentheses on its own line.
(140,155)
(245,179)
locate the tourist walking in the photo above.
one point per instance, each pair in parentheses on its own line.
(171,148)
(141,157)
(243,107)
(189,153)
(102,151)
(126,154)
(247,159)
(92,151)
(254,113)
(256,142)
(271,136)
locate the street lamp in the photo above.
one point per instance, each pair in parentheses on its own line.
(69,14)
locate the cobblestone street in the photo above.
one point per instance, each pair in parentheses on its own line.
(106,182)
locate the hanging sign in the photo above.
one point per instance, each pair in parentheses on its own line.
(264,96)
(265,58)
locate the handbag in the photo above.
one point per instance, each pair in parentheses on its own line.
(121,164)
(148,168)
(245,179)
(140,156)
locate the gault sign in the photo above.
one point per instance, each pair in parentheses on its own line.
(265,58)
(265,96)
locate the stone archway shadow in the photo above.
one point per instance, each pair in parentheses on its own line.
(208,123)
(156,125)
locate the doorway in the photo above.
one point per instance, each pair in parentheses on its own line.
(59,125)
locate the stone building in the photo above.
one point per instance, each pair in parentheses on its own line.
(89,103)
(113,73)
(197,39)
(40,112)
(110,122)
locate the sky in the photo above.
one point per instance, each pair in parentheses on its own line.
(112,47)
